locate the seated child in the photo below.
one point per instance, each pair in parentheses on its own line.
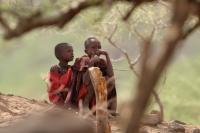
(60,75)
(83,86)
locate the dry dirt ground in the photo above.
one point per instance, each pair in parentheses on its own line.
(14,109)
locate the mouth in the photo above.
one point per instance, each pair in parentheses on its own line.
(70,58)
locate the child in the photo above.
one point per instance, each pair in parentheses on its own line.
(60,75)
(84,88)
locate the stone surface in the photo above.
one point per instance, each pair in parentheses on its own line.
(196,130)
(176,127)
(143,130)
(151,119)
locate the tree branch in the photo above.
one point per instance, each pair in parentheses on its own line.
(151,74)
(123,52)
(191,30)
(132,64)
(135,4)
(26,24)
(4,24)
(37,20)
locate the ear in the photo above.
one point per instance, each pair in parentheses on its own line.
(85,51)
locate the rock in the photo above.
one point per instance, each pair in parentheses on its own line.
(10,95)
(176,127)
(143,130)
(196,130)
(151,119)
(45,101)
(54,121)
(155,112)
(33,100)
(179,122)
(13,108)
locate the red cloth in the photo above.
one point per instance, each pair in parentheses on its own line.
(81,66)
(82,92)
(56,80)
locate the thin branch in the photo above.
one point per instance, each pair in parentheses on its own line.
(128,14)
(135,4)
(128,25)
(121,50)
(164,4)
(137,59)
(139,35)
(191,30)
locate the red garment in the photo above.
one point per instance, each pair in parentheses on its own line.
(83,92)
(56,80)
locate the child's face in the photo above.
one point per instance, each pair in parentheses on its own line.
(67,54)
(92,49)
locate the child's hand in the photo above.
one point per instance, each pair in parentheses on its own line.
(93,60)
(102,53)
(84,63)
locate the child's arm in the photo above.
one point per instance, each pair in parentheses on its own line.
(92,60)
(110,80)
(109,69)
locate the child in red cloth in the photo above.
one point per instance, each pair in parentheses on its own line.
(82,86)
(60,75)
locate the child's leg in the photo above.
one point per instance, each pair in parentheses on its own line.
(89,97)
(112,101)
(90,90)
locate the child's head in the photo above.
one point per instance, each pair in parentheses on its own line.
(92,46)
(64,52)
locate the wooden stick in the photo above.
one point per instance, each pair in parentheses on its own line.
(99,84)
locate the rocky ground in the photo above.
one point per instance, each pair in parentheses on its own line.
(16,109)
